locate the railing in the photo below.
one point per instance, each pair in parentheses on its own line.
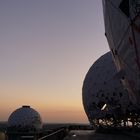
(57,135)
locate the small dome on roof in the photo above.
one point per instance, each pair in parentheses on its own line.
(25,118)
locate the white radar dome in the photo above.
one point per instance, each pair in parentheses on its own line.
(25,118)
(102,92)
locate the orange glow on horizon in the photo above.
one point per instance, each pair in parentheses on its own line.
(53,115)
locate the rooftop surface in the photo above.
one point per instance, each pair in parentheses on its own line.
(91,135)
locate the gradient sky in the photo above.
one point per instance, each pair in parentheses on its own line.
(46,49)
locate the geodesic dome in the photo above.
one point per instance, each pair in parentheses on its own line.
(25,118)
(122,29)
(102,92)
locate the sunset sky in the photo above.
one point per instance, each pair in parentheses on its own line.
(46,49)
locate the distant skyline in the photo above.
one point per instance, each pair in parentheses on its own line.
(46,49)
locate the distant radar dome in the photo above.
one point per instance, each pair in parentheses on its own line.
(25,118)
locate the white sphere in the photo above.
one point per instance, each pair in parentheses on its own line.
(101,87)
(25,118)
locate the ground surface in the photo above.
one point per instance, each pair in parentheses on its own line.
(92,135)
